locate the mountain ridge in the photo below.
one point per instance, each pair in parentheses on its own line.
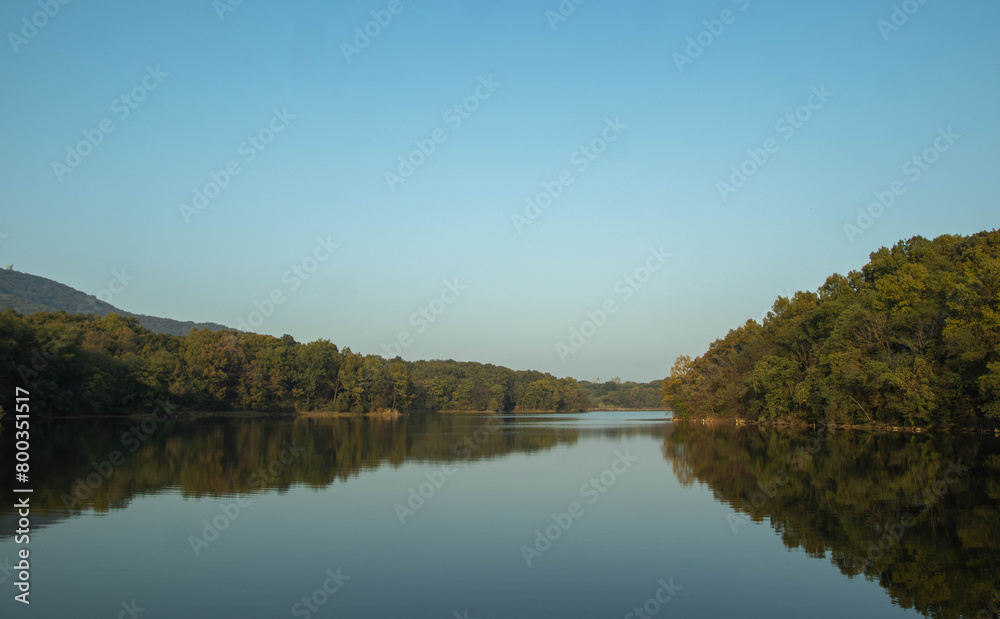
(27,293)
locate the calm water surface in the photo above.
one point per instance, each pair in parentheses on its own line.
(501,517)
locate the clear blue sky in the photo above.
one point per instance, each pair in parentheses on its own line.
(553,90)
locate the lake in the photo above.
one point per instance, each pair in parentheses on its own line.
(466,515)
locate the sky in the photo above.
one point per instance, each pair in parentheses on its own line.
(584,189)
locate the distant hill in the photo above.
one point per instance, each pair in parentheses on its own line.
(27,294)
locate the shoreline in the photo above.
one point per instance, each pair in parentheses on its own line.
(801,425)
(392,414)
(385,414)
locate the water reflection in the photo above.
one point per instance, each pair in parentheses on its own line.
(917,513)
(88,465)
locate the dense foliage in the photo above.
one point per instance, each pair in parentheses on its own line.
(913,338)
(452,385)
(89,365)
(617,395)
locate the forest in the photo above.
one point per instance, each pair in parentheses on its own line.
(912,339)
(84,364)
(616,394)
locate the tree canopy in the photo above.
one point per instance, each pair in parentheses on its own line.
(78,364)
(913,338)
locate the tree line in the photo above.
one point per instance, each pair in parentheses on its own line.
(83,364)
(913,338)
(616,394)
